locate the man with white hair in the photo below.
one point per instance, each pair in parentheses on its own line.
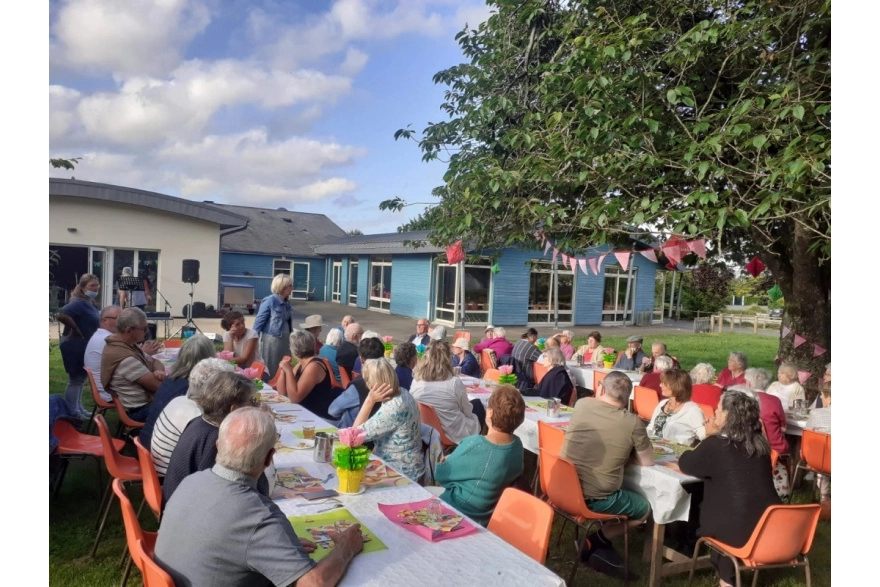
(348,350)
(658,349)
(219,530)
(346,320)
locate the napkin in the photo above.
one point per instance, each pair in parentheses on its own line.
(412,517)
(225,355)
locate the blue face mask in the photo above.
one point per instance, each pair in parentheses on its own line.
(91,294)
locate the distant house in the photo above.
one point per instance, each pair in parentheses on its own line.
(277,241)
(100,228)
(383,272)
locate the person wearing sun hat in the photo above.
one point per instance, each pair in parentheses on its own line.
(462,357)
(314,324)
(633,357)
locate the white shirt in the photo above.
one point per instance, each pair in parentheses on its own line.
(449,399)
(169,426)
(94,350)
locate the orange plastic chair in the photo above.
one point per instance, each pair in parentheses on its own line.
(273,383)
(462,334)
(782,538)
(429,417)
(524,522)
(644,402)
(172,343)
(492,375)
(126,424)
(488,360)
(774,458)
(333,381)
(119,466)
(539,371)
(344,377)
(598,376)
(133,532)
(150,477)
(73,444)
(815,454)
(101,406)
(559,480)
(260,367)
(154,575)
(708,411)
(550,438)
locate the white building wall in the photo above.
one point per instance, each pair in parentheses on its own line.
(112,225)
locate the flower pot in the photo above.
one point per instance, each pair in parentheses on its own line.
(349,481)
(609,364)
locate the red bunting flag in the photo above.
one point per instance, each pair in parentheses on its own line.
(675,249)
(803,376)
(817,350)
(698,246)
(623,259)
(755,267)
(593,266)
(650,255)
(454,253)
(785,331)
(798,340)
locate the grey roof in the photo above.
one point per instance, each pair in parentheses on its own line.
(75,188)
(279,232)
(380,244)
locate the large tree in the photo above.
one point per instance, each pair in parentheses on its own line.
(595,119)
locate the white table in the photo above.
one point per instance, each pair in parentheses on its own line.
(583,376)
(480,558)
(794,425)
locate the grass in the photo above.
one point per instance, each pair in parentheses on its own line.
(73,512)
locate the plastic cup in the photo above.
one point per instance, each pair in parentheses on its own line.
(308,430)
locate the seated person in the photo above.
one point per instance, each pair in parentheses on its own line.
(733,462)
(330,348)
(308,384)
(348,350)
(406,357)
(704,392)
(601,439)
(126,369)
(345,408)
(196,449)
(652,378)
(488,334)
(497,342)
(358,364)
(658,349)
(180,411)
(396,427)
(820,421)
(438,333)
(244,342)
(677,418)
(95,348)
(735,372)
(195,349)
(524,355)
(787,387)
(482,467)
(219,530)
(463,358)
(421,336)
(564,341)
(557,382)
(593,351)
(634,357)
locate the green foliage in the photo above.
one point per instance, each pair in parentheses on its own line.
(707,288)
(351,459)
(65,163)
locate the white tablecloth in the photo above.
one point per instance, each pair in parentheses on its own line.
(583,376)
(794,425)
(480,558)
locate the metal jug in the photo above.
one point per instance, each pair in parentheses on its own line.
(323,447)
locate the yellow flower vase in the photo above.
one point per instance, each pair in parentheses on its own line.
(609,364)
(388,353)
(349,481)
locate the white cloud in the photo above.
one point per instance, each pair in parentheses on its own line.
(125,37)
(354,62)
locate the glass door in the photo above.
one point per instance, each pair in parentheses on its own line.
(336,286)
(542,282)
(98,267)
(301,274)
(352,283)
(614,296)
(380,284)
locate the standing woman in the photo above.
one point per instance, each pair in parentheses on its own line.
(274,323)
(80,319)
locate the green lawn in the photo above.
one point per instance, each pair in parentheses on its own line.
(73,513)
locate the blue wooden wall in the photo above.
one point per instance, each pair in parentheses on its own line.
(234,265)
(411,285)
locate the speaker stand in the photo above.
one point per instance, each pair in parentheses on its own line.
(189,324)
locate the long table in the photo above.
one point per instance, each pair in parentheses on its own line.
(583,376)
(477,558)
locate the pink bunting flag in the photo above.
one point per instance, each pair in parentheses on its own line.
(698,246)
(547,245)
(675,249)
(650,255)
(592,261)
(555,253)
(602,258)
(817,350)
(623,259)
(574,266)
(785,331)
(455,253)
(798,340)
(803,376)
(565,260)
(583,266)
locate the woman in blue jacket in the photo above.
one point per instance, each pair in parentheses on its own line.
(274,323)
(462,357)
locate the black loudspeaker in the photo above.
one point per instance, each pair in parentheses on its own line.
(190,271)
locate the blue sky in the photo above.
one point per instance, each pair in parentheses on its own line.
(260,103)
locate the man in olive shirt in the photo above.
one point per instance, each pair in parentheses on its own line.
(600,440)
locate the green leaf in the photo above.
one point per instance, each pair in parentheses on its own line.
(672,96)
(703,168)
(467,220)
(759,141)
(798,112)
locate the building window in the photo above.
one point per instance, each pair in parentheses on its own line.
(352,283)
(282,266)
(380,284)
(336,289)
(615,295)
(477,296)
(542,282)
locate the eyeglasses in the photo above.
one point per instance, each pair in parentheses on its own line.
(144,328)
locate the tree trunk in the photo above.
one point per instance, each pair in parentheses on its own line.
(806,284)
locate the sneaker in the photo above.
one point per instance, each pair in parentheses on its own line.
(608,562)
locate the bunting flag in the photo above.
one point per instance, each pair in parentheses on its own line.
(623,259)
(592,262)
(454,253)
(803,376)
(798,340)
(564,260)
(755,267)
(650,255)
(547,245)
(698,246)
(583,265)
(817,350)
(785,331)
(555,253)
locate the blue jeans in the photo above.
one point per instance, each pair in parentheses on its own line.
(73,393)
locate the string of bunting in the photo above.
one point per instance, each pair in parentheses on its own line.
(799,340)
(675,249)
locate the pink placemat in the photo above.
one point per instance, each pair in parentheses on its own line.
(414,517)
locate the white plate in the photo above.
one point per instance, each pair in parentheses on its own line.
(303,444)
(358,492)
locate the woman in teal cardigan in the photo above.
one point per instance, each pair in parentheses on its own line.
(482,467)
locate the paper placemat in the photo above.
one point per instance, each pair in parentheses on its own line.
(316,527)
(414,517)
(292,481)
(378,474)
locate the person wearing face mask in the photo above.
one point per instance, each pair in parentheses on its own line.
(81,319)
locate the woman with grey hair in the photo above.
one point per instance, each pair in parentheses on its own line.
(180,411)
(328,351)
(787,387)
(734,373)
(652,379)
(704,392)
(307,384)
(564,339)
(274,322)
(438,333)
(556,382)
(195,349)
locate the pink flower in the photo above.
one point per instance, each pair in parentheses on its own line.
(352,437)
(387,338)
(251,373)
(239,370)
(225,355)
(506,369)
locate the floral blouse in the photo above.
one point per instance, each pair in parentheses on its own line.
(396,431)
